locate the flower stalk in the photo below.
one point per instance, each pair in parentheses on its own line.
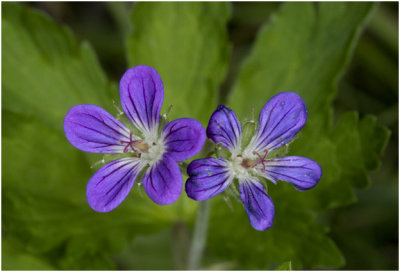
(199,236)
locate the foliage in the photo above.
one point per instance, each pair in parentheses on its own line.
(304,48)
(187,43)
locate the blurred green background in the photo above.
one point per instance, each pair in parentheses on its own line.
(365,231)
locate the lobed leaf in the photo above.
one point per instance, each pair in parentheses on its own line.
(45,214)
(187,43)
(304,48)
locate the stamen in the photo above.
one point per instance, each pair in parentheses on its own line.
(165,115)
(140,189)
(97,163)
(120,112)
(228,202)
(134,145)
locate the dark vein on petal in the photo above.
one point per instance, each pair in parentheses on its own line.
(173,131)
(208,165)
(179,140)
(160,174)
(277,173)
(154,112)
(227,134)
(118,182)
(233,131)
(145,103)
(272,130)
(281,135)
(179,151)
(209,188)
(269,117)
(210,176)
(151,179)
(290,166)
(97,131)
(134,106)
(114,170)
(103,122)
(256,200)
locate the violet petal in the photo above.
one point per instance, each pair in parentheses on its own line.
(258,205)
(281,118)
(163,181)
(110,185)
(207,178)
(183,138)
(303,173)
(92,129)
(225,128)
(142,94)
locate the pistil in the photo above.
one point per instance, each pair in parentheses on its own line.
(135,145)
(249,163)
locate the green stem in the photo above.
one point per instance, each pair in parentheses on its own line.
(180,245)
(199,236)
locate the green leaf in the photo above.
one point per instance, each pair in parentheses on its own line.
(47,71)
(16,259)
(305,49)
(187,43)
(45,209)
(46,218)
(285,266)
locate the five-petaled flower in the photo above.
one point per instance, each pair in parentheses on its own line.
(281,118)
(92,129)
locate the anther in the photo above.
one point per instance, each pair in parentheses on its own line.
(165,115)
(139,189)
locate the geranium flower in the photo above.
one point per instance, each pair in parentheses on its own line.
(92,129)
(281,118)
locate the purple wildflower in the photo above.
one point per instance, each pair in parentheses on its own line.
(281,118)
(92,129)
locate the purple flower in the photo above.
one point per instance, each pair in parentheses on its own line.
(92,129)
(281,118)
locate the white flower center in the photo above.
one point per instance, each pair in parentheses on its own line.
(156,149)
(237,168)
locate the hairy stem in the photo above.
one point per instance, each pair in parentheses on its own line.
(199,236)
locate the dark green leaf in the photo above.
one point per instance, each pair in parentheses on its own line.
(305,49)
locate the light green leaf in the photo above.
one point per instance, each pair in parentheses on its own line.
(187,43)
(305,49)
(45,71)
(285,266)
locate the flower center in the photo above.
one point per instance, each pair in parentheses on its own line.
(245,168)
(135,145)
(154,152)
(237,168)
(149,150)
(260,160)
